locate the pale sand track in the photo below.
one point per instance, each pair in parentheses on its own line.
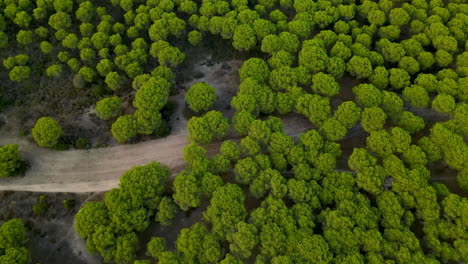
(89,170)
(99,169)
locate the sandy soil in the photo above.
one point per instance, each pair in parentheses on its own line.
(90,170)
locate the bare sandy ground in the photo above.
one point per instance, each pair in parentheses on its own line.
(90,170)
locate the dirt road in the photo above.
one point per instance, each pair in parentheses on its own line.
(90,170)
(99,169)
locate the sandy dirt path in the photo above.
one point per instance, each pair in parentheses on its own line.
(90,170)
(99,169)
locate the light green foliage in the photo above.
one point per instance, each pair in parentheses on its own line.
(313,58)
(373,118)
(90,217)
(243,240)
(447,86)
(164,72)
(341,50)
(293,203)
(380,142)
(226,209)
(255,68)
(200,97)
(9,160)
(19,73)
(152,95)
(46,132)
(9,63)
(399,78)
(244,38)
(314,107)
(333,129)
(249,146)
(393,52)
(113,80)
(87,73)
(401,139)
(194,36)
(280,59)
(417,96)
(433,152)
(325,84)
(245,170)
(443,58)
(156,247)
(336,67)
(283,79)
(260,131)
(409,64)
(24,37)
(104,67)
(391,209)
(414,155)
(12,242)
(54,70)
(109,107)
(444,103)
(205,129)
(210,182)
(379,77)
(399,17)
(254,97)
(376,17)
(263,27)
(45,47)
(367,95)
(187,191)
(359,67)
(410,122)
(241,122)
(60,20)
(124,128)
(427,81)
(230,150)
(348,113)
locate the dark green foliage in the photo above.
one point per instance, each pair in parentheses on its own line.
(69,204)
(41,207)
